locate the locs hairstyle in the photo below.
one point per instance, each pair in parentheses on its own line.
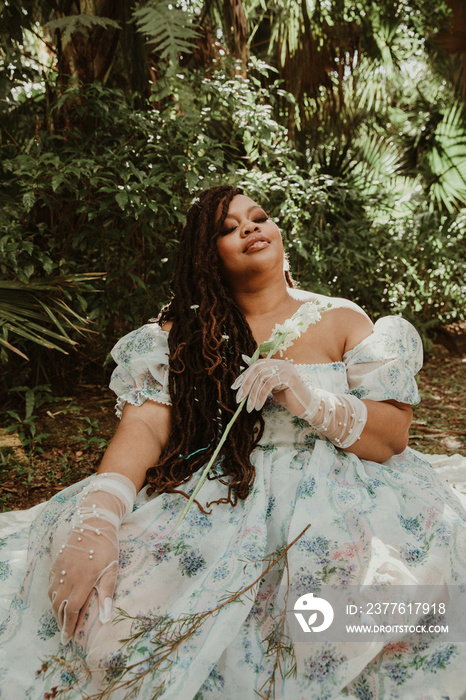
(205,348)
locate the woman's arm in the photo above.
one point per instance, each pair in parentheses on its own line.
(374,430)
(88,558)
(386,431)
(138,442)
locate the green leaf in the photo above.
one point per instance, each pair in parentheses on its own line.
(57,180)
(37,312)
(28,200)
(122,198)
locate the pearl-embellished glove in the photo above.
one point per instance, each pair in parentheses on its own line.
(88,555)
(339,417)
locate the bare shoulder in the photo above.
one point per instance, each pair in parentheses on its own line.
(166,326)
(352,325)
(347,322)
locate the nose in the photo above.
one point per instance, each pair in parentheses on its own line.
(248,228)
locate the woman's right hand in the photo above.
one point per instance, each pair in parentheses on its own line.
(136,446)
(88,558)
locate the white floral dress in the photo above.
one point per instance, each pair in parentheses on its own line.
(369,523)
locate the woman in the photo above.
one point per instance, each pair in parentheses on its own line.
(314,488)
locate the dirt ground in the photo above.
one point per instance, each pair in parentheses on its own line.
(71,433)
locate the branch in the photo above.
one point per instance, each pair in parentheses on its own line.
(169,635)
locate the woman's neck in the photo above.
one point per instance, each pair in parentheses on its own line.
(273,299)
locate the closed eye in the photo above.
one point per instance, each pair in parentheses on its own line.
(259,219)
(226,231)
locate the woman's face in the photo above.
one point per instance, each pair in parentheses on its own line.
(249,242)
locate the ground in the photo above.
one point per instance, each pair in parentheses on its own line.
(64,439)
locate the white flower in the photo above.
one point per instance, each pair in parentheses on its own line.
(225,337)
(286,333)
(289,326)
(309,314)
(195,306)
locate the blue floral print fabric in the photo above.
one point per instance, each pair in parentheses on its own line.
(142,367)
(384,365)
(368,523)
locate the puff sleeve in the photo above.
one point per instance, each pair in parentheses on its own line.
(142,367)
(383,365)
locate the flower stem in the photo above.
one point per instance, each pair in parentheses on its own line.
(211,461)
(271,351)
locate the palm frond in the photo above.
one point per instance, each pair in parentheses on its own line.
(447,159)
(380,154)
(36,312)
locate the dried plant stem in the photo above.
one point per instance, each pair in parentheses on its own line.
(170,635)
(279,644)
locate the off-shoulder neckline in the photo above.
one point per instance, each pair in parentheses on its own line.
(314,302)
(304,364)
(318,364)
(376,327)
(318,301)
(346,354)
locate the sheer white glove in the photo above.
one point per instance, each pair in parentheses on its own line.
(339,417)
(88,555)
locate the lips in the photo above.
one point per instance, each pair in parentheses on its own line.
(253,239)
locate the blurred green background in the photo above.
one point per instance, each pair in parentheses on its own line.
(346,119)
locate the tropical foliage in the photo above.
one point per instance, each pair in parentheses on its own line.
(348,119)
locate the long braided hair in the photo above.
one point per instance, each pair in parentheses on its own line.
(209,334)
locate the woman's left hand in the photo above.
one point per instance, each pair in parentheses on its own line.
(339,417)
(278,377)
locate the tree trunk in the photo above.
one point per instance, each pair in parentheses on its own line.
(453,40)
(112,56)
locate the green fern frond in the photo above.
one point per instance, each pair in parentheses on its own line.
(79,23)
(168,29)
